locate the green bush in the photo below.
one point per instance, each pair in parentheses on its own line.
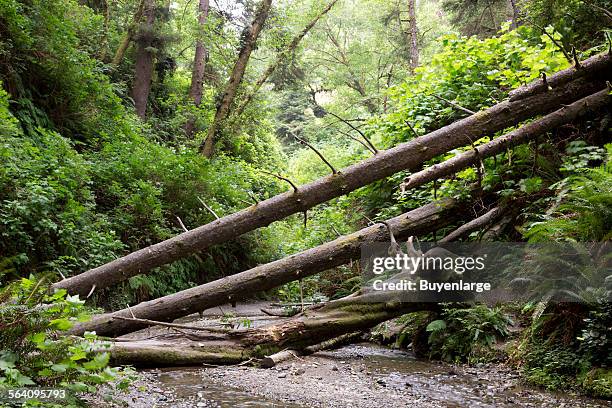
(467,334)
(34,350)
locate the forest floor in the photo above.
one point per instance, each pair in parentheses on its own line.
(360,375)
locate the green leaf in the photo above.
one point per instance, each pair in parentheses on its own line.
(60,324)
(59,368)
(436,325)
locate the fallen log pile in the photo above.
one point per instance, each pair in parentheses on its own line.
(311,328)
(335,253)
(560,89)
(561,98)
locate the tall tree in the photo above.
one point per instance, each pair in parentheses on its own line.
(282,55)
(129,35)
(199,64)
(413,45)
(249,40)
(143,72)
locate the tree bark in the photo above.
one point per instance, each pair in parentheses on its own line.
(281,56)
(313,327)
(516,14)
(521,135)
(249,42)
(264,277)
(128,36)
(143,71)
(413,45)
(402,157)
(597,64)
(199,65)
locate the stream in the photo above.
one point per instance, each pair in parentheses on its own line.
(359,375)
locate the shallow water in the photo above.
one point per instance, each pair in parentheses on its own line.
(374,373)
(186,386)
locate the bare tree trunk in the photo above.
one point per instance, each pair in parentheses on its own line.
(413,46)
(143,72)
(519,136)
(516,14)
(597,65)
(281,56)
(199,66)
(271,275)
(128,36)
(404,156)
(249,42)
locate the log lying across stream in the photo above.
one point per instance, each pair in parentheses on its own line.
(314,326)
(335,253)
(341,250)
(410,155)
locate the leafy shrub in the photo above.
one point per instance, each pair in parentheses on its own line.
(583,206)
(34,350)
(467,334)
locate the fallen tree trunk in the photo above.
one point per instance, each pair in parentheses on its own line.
(405,156)
(274,274)
(521,135)
(312,327)
(595,64)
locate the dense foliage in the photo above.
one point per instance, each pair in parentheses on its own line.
(84,180)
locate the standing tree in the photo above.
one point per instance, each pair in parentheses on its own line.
(282,55)
(249,40)
(413,45)
(199,65)
(143,71)
(128,36)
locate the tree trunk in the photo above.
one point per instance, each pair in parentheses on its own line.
(516,14)
(405,156)
(199,66)
(594,66)
(143,71)
(521,135)
(413,45)
(281,56)
(313,327)
(249,41)
(271,275)
(128,36)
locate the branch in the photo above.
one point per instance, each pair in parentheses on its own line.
(304,142)
(278,176)
(358,141)
(210,210)
(576,60)
(354,128)
(411,128)
(473,225)
(453,104)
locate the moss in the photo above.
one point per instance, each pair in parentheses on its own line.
(263,350)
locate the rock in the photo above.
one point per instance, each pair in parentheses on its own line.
(299,371)
(334,368)
(382,382)
(282,375)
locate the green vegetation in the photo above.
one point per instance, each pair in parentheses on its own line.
(32,323)
(84,179)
